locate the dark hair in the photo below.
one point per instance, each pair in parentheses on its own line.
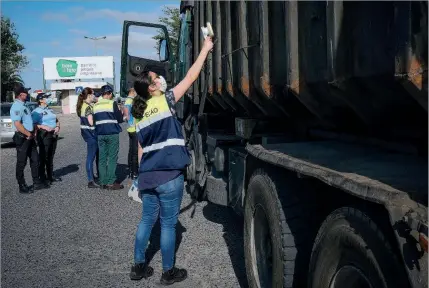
(141,85)
(82,97)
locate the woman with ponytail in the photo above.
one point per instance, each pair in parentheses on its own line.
(85,112)
(162,159)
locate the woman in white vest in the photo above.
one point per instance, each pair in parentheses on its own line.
(163,158)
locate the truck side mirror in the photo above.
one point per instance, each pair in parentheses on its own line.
(163,50)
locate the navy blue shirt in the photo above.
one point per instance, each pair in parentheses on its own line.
(153,179)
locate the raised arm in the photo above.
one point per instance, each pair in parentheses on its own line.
(194,71)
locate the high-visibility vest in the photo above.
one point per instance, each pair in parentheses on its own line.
(131,125)
(105,119)
(160,135)
(86,130)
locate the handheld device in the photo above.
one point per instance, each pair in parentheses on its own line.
(207,31)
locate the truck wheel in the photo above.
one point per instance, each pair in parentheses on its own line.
(351,251)
(272,229)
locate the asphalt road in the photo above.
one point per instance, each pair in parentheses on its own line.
(72,236)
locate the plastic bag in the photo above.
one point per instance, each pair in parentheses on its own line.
(134,192)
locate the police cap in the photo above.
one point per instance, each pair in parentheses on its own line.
(19,88)
(40,96)
(106,89)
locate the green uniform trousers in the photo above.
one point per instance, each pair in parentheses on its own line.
(108,146)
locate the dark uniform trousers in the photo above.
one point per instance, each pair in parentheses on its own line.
(25,148)
(47,142)
(133,164)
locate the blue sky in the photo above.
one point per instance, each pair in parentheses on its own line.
(57,29)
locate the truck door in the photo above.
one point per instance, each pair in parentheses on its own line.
(145,46)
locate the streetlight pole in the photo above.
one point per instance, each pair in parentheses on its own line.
(95,41)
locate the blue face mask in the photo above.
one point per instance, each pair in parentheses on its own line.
(49,100)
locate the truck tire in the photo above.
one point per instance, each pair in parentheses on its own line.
(273,227)
(351,251)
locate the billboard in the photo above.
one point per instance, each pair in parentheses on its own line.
(78,67)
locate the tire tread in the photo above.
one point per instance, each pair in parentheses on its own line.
(293,222)
(359,216)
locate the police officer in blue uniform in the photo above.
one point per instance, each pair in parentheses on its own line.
(48,128)
(24,141)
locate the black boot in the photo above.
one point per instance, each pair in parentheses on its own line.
(139,271)
(37,184)
(173,275)
(54,179)
(23,188)
(92,185)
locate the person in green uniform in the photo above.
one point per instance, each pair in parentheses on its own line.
(107,117)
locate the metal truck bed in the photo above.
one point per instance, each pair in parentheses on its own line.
(353,66)
(367,172)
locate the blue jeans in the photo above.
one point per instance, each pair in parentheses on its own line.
(164,199)
(92,154)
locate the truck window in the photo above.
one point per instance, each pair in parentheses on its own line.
(143,42)
(140,52)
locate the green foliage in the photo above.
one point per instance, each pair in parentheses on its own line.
(12,60)
(171,19)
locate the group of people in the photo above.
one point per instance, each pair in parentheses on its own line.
(100,128)
(34,129)
(157,155)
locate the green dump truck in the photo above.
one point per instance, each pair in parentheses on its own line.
(310,120)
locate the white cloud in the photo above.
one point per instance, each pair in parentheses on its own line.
(139,44)
(78,31)
(120,16)
(172,5)
(56,17)
(81,14)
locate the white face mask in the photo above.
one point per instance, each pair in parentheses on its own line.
(162,84)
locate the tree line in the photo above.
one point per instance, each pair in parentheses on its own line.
(12,60)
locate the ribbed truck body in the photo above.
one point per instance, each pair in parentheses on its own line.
(354,67)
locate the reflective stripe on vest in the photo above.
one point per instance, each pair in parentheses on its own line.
(131,125)
(169,142)
(87,131)
(105,120)
(160,135)
(101,122)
